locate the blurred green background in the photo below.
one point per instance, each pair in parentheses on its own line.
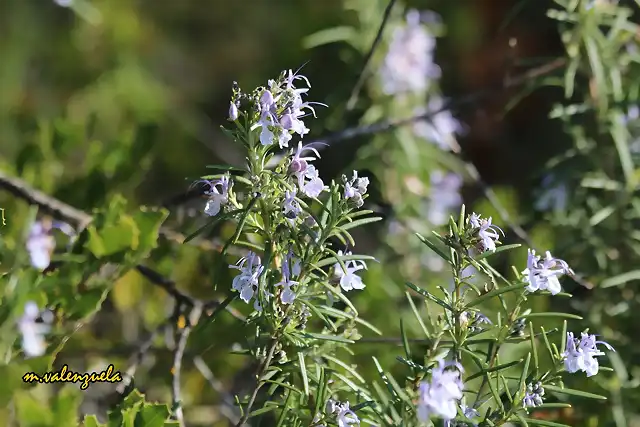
(126,97)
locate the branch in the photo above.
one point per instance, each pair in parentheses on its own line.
(176,369)
(353,98)
(261,371)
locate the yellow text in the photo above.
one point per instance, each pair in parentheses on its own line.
(64,375)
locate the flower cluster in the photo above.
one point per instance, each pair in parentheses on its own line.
(345,417)
(440,396)
(580,354)
(408,65)
(533,395)
(347,277)
(487,233)
(247,282)
(542,274)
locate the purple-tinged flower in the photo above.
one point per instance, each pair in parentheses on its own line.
(441,127)
(247,282)
(408,65)
(288,272)
(218,193)
(487,232)
(233,112)
(41,243)
(33,343)
(291,208)
(440,396)
(346,417)
(356,189)
(533,395)
(580,355)
(444,196)
(542,274)
(349,279)
(310,182)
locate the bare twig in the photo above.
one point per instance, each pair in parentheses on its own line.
(182,336)
(228,409)
(353,98)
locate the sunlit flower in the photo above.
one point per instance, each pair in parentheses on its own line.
(310,182)
(291,207)
(542,274)
(41,242)
(356,189)
(33,332)
(349,279)
(247,282)
(408,65)
(580,355)
(233,111)
(346,417)
(218,193)
(487,232)
(290,269)
(440,396)
(441,128)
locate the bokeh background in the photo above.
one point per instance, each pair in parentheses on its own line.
(127,97)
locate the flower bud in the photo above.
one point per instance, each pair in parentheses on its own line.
(233,112)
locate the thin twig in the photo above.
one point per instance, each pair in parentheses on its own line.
(176,370)
(261,371)
(353,98)
(228,409)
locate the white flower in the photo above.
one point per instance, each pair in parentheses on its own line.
(356,189)
(346,417)
(233,112)
(33,343)
(441,127)
(445,196)
(408,65)
(288,295)
(487,232)
(440,396)
(543,274)
(580,355)
(218,193)
(310,182)
(247,282)
(41,243)
(349,279)
(291,207)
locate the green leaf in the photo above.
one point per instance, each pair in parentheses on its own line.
(500,367)
(552,315)
(148,221)
(536,422)
(360,222)
(620,279)
(495,293)
(92,421)
(429,296)
(414,309)
(65,407)
(344,258)
(498,250)
(329,35)
(303,372)
(620,134)
(434,247)
(30,412)
(572,392)
(324,337)
(152,415)
(391,383)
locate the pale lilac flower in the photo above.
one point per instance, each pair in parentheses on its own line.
(444,196)
(441,128)
(291,207)
(408,65)
(349,279)
(440,396)
(487,233)
(233,112)
(356,189)
(289,270)
(247,282)
(300,163)
(542,274)
(554,196)
(310,182)
(346,417)
(41,242)
(218,193)
(580,355)
(533,396)
(63,3)
(33,343)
